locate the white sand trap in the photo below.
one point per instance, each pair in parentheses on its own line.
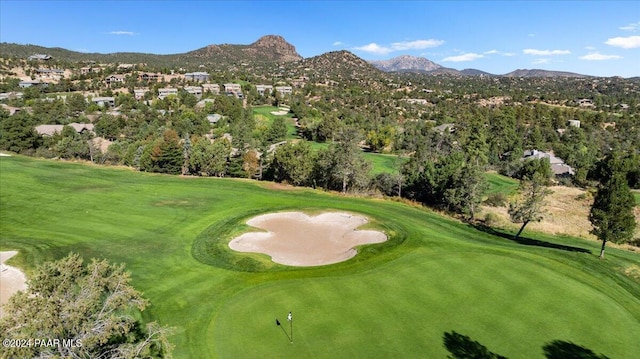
(296,239)
(279,113)
(11,279)
(4,155)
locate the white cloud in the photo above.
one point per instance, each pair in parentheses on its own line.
(374,49)
(399,46)
(416,45)
(463,58)
(541,61)
(492,52)
(598,57)
(590,47)
(532,35)
(545,52)
(338,43)
(629,42)
(631,27)
(120,32)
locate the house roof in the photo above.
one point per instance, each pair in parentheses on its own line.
(50,130)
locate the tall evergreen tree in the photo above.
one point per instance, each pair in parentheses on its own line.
(612,211)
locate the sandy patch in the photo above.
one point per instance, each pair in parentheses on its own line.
(5,155)
(11,279)
(279,113)
(296,239)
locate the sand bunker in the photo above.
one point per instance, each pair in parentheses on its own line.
(296,239)
(279,113)
(11,279)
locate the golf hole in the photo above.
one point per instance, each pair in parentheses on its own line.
(297,239)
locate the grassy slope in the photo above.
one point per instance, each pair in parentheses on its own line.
(396,299)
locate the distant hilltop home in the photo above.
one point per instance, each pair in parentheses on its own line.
(162,93)
(104,101)
(585,102)
(29,83)
(558,166)
(114,79)
(197,76)
(262,88)
(148,76)
(194,90)
(213,88)
(139,93)
(39,57)
(52,74)
(50,130)
(233,90)
(284,90)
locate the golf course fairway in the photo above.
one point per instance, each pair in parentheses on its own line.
(434,275)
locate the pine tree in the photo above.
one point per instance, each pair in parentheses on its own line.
(612,211)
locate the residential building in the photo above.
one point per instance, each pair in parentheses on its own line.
(213,88)
(558,166)
(574,123)
(162,93)
(235,88)
(214,118)
(139,93)
(194,90)
(104,101)
(262,88)
(148,76)
(114,79)
(50,130)
(29,83)
(284,90)
(197,76)
(51,74)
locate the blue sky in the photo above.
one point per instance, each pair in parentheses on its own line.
(600,38)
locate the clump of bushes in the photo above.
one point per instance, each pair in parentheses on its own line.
(496,199)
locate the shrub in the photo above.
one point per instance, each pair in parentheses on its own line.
(496,199)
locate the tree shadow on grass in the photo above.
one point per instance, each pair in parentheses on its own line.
(528,241)
(463,347)
(559,349)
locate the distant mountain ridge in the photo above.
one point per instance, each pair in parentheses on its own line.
(406,62)
(267,49)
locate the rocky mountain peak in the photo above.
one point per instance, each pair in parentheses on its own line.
(276,44)
(406,62)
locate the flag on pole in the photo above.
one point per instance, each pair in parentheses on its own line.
(289,317)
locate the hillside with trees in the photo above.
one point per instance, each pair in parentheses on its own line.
(329,121)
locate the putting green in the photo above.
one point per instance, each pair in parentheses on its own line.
(511,305)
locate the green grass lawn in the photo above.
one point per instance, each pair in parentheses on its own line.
(500,183)
(265,112)
(394,299)
(636,194)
